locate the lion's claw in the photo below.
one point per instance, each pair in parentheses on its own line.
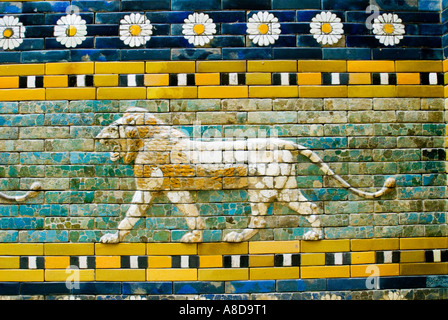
(110,238)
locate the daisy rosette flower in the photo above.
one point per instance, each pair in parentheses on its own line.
(326,28)
(198,29)
(70,30)
(388,29)
(263,28)
(135,30)
(12,32)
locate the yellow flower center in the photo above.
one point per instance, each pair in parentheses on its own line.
(389,28)
(199,28)
(8,33)
(263,28)
(326,28)
(135,30)
(71,31)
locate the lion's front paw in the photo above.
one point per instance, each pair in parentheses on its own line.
(312,236)
(191,237)
(234,237)
(110,238)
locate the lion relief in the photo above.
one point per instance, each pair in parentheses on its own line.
(170,162)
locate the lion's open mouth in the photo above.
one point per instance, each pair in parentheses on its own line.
(116,148)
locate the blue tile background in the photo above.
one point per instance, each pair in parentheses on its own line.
(425,22)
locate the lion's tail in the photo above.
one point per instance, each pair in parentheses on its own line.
(35,187)
(388,186)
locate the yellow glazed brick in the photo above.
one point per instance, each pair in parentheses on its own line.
(134,67)
(223,248)
(9,82)
(21,249)
(371,91)
(157,80)
(363,257)
(159,262)
(171,67)
(171,274)
(325,272)
(207,79)
(22,94)
(309,78)
(57,262)
(70,68)
(70,93)
(21,275)
(120,274)
(322,91)
(265,260)
(120,249)
(408,78)
(55,81)
(210,261)
(107,262)
(326,246)
(69,249)
(9,262)
(414,91)
(258,78)
(382,270)
(64,275)
(257,247)
(423,243)
(374,244)
(221,92)
(120,93)
(412,256)
(312,259)
(445,65)
(273,91)
(223,274)
(409,269)
(172,92)
(22,69)
(359,78)
(274,273)
(272,66)
(221,66)
(322,66)
(164,249)
(105,80)
(370,66)
(418,66)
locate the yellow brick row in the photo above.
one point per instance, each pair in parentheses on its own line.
(255,66)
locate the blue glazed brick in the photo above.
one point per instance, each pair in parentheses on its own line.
(145,54)
(45,6)
(43,288)
(246,53)
(402,282)
(21,223)
(233,16)
(295,28)
(195,4)
(90,158)
(397,5)
(97,288)
(9,158)
(31,19)
(250,286)
(44,158)
(168,42)
(345,5)
(9,210)
(247,4)
(233,28)
(9,236)
(73,119)
(10,288)
(9,107)
(32,44)
(45,210)
(396,54)
(297,53)
(429,5)
(145,5)
(97,5)
(301,285)
(346,54)
(168,16)
(437,281)
(45,56)
(78,55)
(52,18)
(109,43)
(10,57)
(302,4)
(52,43)
(194,54)
(198,287)
(102,30)
(282,16)
(347,284)
(147,288)
(10,7)
(39,31)
(44,236)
